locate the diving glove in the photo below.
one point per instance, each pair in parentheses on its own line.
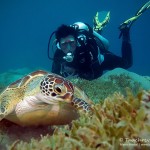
(125,33)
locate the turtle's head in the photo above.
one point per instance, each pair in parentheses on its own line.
(55,88)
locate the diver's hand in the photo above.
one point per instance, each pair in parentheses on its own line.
(125,34)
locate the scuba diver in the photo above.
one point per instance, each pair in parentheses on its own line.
(86,56)
(81,51)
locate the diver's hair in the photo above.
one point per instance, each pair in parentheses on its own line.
(65,30)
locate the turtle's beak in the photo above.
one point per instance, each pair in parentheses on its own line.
(67,97)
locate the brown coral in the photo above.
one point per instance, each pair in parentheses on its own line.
(118,123)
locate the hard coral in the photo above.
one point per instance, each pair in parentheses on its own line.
(99,89)
(118,123)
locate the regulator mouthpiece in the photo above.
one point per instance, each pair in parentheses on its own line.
(68,57)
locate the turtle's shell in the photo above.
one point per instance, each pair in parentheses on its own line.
(40,98)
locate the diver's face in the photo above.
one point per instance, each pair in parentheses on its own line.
(68,44)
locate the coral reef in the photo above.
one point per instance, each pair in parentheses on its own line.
(119,123)
(120,120)
(116,80)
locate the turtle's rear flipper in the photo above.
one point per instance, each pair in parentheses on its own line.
(128,23)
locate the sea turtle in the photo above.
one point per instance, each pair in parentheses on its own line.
(42,98)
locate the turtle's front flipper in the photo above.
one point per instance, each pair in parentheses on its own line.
(2,112)
(80,104)
(1,116)
(7,103)
(5,109)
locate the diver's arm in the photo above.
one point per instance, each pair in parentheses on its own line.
(112,61)
(83,26)
(126,48)
(56,64)
(104,41)
(56,67)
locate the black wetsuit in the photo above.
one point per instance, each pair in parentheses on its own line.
(86,62)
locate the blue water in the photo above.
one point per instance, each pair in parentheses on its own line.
(25,27)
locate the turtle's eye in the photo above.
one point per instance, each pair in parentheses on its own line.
(58,89)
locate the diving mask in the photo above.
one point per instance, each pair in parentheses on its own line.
(69,57)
